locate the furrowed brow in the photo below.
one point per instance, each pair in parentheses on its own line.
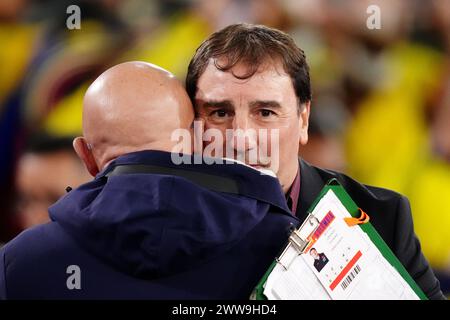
(225,104)
(265,104)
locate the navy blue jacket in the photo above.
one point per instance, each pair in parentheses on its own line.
(205,232)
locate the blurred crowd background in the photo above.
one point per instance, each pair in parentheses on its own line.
(381,98)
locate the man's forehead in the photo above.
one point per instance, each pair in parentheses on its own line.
(243,71)
(267,82)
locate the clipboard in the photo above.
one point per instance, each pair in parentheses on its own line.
(300,243)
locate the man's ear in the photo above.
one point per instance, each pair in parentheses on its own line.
(85,154)
(304,122)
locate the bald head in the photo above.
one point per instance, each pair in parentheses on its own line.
(132,106)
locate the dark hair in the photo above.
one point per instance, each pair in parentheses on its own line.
(312,250)
(251,45)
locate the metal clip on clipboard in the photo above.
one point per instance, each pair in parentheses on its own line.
(299,239)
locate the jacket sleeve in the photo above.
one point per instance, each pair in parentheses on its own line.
(408,250)
(2,274)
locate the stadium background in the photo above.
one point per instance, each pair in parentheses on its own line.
(381,98)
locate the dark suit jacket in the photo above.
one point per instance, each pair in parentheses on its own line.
(390,214)
(320,262)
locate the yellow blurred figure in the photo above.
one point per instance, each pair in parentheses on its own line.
(388,144)
(173,44)
(18,42)
(80,55)
(429,194)
(65,118)
(172,47)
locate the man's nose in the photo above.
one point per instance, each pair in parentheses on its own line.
(240,121)
(244,135)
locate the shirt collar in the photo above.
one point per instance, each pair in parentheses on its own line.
(294,193)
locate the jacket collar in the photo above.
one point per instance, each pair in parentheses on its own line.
(311,183)
(251,183)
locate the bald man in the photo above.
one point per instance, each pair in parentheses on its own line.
(131,107)
(144,227)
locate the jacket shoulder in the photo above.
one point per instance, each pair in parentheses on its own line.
(36,241)
(385,207)
(39,244)
(34,259)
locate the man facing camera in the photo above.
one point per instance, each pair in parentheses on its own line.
(146,228)
(250,77)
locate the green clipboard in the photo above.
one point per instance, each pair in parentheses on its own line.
(351,206)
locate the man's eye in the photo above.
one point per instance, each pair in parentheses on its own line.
(219,113)
(266,113)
